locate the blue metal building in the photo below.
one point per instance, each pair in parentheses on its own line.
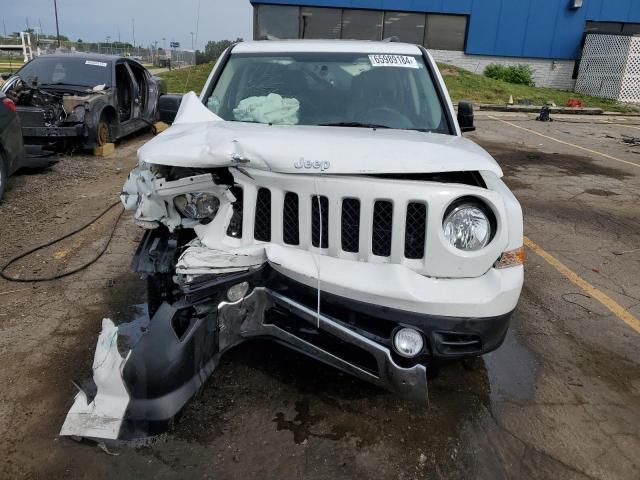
(534,29)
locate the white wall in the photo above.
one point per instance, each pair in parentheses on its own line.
(547,73)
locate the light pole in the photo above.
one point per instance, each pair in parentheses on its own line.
(55,8)
(191,40)
(109,43)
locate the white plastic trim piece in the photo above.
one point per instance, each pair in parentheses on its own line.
(102,417)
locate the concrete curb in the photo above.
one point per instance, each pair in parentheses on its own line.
(536,109)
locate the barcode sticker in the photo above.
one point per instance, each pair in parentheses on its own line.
(393,61)
(97,64)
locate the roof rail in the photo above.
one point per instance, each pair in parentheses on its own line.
(394,38)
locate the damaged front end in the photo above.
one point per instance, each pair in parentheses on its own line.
(53,118)
(206,294)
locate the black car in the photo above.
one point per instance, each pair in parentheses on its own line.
(11,148)
(84,100)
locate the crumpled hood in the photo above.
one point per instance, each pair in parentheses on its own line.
(200,139)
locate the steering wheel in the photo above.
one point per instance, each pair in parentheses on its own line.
(388,116)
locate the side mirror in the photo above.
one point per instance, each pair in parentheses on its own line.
(168,106)
(465,116)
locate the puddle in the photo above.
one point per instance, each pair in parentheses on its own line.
(301,424)
(599,192)
(512,371)
(514,159)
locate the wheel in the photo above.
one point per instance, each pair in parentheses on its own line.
(4,173)
(103,131)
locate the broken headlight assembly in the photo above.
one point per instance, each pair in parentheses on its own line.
(469,225)
(197,205)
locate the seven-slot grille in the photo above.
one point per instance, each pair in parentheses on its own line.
(347,215)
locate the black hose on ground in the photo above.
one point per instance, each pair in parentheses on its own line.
(53,242)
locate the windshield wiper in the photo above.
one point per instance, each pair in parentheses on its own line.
(64,84)
(353,124)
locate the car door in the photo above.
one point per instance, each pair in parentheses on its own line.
(126,94)
(148,92)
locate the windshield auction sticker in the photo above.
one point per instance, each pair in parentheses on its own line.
(393,61)
(97,64)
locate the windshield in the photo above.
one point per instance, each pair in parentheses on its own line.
(78,71)
(340,89)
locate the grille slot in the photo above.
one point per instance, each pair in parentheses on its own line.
(415,230)
(290,219)
(350,225)
(320,208)
(262,228)
(382,226)
(454,343)
(235,225)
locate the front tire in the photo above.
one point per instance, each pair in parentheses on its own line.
(104,133)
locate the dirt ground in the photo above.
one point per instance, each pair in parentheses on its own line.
(559,400)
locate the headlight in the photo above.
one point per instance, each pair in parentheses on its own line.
(198,205)
(467,227)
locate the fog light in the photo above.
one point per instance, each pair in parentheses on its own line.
(238,291)
(408,342)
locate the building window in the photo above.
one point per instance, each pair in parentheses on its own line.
(362,24)
(407,27)
(603,27)
(277,21)
(631,29)
(446,32)
(320,22)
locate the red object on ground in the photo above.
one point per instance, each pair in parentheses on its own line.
(574,103)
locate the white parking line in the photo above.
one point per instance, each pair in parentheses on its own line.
(605,155)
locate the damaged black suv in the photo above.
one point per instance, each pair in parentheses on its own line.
(82,100)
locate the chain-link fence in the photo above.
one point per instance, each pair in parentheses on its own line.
(152,55)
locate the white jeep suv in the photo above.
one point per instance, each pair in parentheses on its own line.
(318,193)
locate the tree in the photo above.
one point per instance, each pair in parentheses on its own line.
(213,49)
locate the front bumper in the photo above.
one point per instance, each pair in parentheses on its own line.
(140,395)
(54,132)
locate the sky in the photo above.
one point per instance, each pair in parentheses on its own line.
(94,20)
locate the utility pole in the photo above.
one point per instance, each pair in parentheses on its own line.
(133,31)
(55,7)
(191,40)
(4,26)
